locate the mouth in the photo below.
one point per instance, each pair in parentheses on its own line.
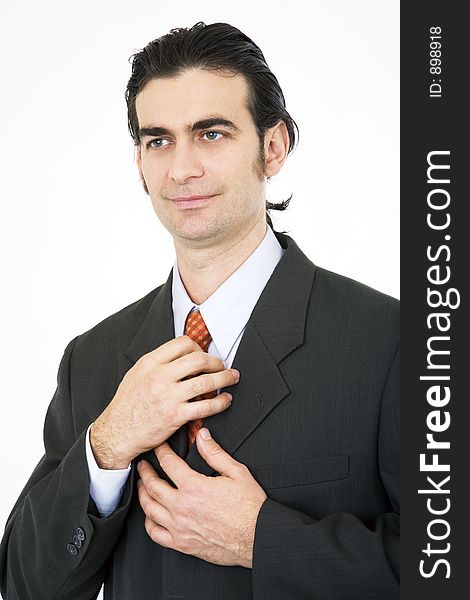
(192,201)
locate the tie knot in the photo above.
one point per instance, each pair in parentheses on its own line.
(196,329)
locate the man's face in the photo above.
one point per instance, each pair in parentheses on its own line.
(198,139)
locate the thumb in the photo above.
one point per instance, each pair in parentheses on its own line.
(214,455)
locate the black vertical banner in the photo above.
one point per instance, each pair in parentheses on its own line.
(435,260)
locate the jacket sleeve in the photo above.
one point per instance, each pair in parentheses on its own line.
(336,557)
(56,545)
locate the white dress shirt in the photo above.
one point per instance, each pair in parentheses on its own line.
(236,297)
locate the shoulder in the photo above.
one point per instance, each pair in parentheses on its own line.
(337,294)
(349,292)
(117,330)
(355,309)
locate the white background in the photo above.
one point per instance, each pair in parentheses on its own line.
(79,238)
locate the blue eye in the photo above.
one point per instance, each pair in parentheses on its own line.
(157,143)
(211,135)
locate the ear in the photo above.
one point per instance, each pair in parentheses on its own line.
(276,148)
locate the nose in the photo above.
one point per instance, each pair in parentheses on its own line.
(184,163)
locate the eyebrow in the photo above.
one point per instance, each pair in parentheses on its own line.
(207,123)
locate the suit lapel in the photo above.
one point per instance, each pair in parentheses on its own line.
(274,330)
(157,326)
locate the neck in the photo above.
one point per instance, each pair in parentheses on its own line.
(203,270)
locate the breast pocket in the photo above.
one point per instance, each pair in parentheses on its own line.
(308,472)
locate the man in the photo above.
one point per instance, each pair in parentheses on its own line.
(233,434)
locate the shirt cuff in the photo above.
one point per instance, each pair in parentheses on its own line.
(106,486)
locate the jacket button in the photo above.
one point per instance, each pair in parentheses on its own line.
(77,541)
(72,549)
(80,533)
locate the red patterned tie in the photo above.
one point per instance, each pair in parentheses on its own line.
(197,330)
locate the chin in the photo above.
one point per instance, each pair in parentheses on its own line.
(203,233)
(192,233)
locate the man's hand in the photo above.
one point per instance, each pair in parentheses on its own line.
(213,518)
(152,401)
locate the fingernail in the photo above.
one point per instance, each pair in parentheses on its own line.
(229,396)
(205,433)
(236,374)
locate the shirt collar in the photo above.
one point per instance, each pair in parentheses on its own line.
(228,309)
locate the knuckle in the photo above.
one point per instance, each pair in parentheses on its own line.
(158,537)
(224,401)
(151,378)
(189,343)
(229,377)
(206,383)
(148,526)
(217,405)
(147,508)
(199,359)
(184,544)
(165,461)
(202,409)
(153,490)
(155,537)
(145,362)
(152,382)
(200,384)
(215,449)
(242,469)
(194,388)
(153,533)
(184,514)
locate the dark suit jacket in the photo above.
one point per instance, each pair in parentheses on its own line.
(314,417)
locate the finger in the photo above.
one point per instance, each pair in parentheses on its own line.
(216,457)
(194,363)
(159,534)
(208,382)
(170,351)
(175,467)
(157,488)
(200,409)
(152,508)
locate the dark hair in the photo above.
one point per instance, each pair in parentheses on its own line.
(215,47)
